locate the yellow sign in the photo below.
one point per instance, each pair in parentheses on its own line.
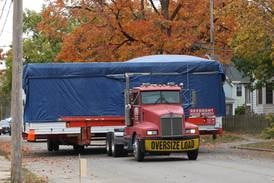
(171,145)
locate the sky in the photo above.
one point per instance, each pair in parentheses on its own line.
(6,31)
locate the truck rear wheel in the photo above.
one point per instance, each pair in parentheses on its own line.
(192,155)
(108,144)
(138,154)
(117,150)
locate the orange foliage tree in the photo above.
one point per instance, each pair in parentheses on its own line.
(117,30)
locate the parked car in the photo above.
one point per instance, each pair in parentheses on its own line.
(5,126)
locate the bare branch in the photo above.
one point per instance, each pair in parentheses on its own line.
(177,9)
(164,8)
(154,7)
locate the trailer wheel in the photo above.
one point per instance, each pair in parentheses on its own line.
(49,145)
(78,147)
(192,155)
(138,154)
(55,146)
(214,136)
(108,144)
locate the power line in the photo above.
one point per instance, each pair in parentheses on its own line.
(3,9)
(6,19)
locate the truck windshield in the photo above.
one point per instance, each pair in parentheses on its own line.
(160,97)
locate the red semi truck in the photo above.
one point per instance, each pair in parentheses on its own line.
(154,121)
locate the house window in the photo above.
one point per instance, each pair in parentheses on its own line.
(269,94)
(239,90)
(260,97)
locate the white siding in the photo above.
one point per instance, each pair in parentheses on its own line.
(227,89)
(239,100)
(262,108)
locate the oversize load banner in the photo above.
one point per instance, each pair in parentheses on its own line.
(171,145)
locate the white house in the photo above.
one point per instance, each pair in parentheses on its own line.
(260,101)
(236,90)
(263,100)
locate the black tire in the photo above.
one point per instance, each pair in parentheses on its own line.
(214,136)
(55,146)
(78,147)
(116,149)
(192,155)
(49,145)
(108,144)
(138,154)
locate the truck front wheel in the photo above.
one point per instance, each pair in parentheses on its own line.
(138,154)
(192,155)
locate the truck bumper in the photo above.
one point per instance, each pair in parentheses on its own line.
(163,145)
(210,130)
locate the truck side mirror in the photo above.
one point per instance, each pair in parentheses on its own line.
(128,120)
(127,95)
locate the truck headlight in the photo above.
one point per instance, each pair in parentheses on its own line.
(191,131)
(152,132)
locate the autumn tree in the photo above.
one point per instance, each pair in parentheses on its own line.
(37,47)
(123,29)
(252,43)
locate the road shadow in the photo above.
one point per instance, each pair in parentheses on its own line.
(159,158)
(66,152)
(164,159)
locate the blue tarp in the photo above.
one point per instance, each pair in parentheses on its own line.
(96,89)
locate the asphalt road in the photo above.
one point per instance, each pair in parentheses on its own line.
(215,164)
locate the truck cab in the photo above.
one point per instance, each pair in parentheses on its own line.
(156,122)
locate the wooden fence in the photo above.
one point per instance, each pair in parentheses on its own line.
(245,123)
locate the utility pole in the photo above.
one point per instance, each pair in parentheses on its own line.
(212,28)
(16,93)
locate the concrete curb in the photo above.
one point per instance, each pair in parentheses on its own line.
(253,149)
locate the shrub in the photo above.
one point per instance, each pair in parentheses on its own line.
(268,133)
(240,110)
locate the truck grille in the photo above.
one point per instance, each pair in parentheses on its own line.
(171,126)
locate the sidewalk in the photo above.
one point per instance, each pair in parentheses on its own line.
(4,169)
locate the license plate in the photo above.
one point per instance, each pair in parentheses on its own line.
(171,145)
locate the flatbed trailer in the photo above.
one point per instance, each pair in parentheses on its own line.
(86,122)
(73,103)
